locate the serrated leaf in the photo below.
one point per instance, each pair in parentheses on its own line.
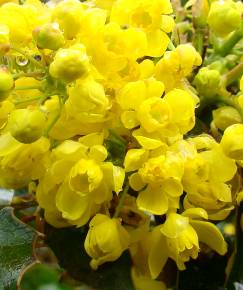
(16,247)
(68,246)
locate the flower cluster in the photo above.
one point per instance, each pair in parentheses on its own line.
(96,111)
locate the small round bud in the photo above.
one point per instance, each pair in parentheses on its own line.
(207,82)
(232,142)
(224,17)
(49,36)
(70,64)
(6,84)
(26,125)
(226,116)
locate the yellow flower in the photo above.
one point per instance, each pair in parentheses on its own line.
(178,238)
(182,107)
(87,102)
(205,179)
(85,176)
(75,186)
(150,17)
(21,163)
(22,19)
(68,14)
(162,176)
(106,240)
(231,142)
(176,65)
(70,63)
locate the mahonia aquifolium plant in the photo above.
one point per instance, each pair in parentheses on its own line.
(99,104)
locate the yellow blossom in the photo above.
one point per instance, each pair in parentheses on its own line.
(106,240)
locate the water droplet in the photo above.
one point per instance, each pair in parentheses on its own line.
(21,61)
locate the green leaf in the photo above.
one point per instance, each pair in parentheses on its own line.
(40,277)
(68,246)
(116,147)
(16,247)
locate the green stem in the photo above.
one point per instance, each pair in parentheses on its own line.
(228,45)
(28,74)
(171,46)
(55,119)
(20,102)
(22,88)
(121,201)
(233,75)
(29,57)
(199,40)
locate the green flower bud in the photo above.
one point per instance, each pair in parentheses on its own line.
(49,36)
(226,116)
(26,125)
(220,65)
(224,17)
(207,82)
(6,84)
(70,64)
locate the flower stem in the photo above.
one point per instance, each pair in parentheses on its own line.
(20,102)
(121,201)
(22,88)
(233,75)
(29,57)
(28,74)
(227,46)
(55,119)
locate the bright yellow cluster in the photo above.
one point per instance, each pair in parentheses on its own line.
(87,81)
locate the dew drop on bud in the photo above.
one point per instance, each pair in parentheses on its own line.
(21,61)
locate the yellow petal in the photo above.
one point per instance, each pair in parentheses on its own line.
(118,178)
(8,144)
(71,204)
(158,254)
(134,159)
(129,119)
(196,213)
(92,139)
(172,187)
(157,43)
(210,235)
(136,182)
(153,199)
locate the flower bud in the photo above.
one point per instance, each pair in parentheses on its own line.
(207,82)
(70,64)
(106,240)
(49,36)
(226,116)
(224,17)
(26,125)
(232,142)
(6,84)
